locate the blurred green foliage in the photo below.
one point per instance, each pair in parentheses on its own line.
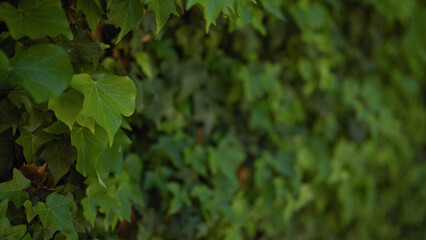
(307,128)
(270,119)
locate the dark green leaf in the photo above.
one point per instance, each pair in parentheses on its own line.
(31,142)
(7,154)
(92,12)
(81,46)
(9,232)
(43,70)
(59,156)
(162,9)
(57,127)
(4,65)
(9,113)
(126,13)
(211,9)
(112,159)
(35,19)
(273,6)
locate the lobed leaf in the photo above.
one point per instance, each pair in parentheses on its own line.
(162,9)
(106,99)
(126,13)
(89,146)
(35,19)
(44,70)
(13,189)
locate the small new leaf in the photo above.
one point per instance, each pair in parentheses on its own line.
(86,121)
(67,106)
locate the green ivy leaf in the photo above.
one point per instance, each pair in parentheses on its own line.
(31,142)
(133,166)
(211,9)
(7,153)
(13,189)
(146,64)
(31,214)
(125,193)
(59,156)
(55,213)
(86,121)
(35,120)
(27,237)
(126,13)
(273,6)
(162,9)
(3,208)
(252,84)
(9,113)
(43,70)
(4,65)
(90,147)
(20,97)
(7,231)
(35,19)
(38,231)
(112,159)
(83,45)
(67,106)
(57,127)
(97,196)
(179,197)
(226,159)
(92,12)
(106,99)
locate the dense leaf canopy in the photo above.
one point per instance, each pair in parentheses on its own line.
(212,119)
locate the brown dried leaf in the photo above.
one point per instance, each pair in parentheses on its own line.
(125,228)
(38,177)
(37,174)
(244,174)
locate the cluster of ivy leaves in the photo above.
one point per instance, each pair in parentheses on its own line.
(212,119)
